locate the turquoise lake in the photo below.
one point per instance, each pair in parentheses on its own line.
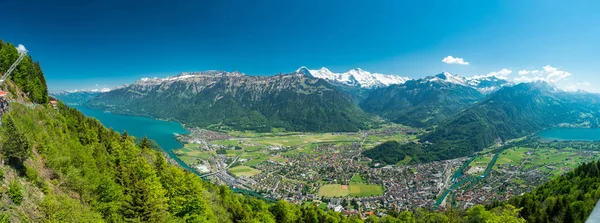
(160,131)
(563,134)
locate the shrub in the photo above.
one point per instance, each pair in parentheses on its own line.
(15,192)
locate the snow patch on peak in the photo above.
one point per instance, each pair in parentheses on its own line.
(450,78)
(358,77)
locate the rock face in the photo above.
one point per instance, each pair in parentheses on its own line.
(219,99)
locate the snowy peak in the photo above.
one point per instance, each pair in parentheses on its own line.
(483,84)
(487,84)
(450,78)
(355,77)
(184,76)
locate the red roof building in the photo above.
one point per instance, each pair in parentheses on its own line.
(3,94)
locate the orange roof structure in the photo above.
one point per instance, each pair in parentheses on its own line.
(3,93)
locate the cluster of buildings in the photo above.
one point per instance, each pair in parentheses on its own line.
(3,103)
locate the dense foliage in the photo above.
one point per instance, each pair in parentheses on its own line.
(28,76)
(294,102)
(569,198)
(420,103)
(511,112)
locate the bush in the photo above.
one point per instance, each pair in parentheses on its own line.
(15,192)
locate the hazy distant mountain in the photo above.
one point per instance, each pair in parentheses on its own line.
(76,97)
(233,100)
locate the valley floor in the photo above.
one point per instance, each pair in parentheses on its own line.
(329,169)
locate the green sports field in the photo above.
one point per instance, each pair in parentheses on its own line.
(333,190)
(244,171)
(354,190)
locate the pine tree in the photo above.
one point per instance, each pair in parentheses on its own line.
(145,144)
(15,146)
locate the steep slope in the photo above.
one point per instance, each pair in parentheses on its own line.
(568,198)
(514,112)
(511,112)
(424,102)
(28,76)
(220,99)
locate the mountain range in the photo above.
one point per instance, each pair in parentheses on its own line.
(428,101)
(462,115)
(509,113)
(218,99)
(355,77)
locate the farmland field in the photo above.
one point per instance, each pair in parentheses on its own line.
(282,147)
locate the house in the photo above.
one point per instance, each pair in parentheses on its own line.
(338,208)
(3,94)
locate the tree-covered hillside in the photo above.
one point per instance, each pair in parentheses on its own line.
(28,76)
(420,103)
(512,112)
(569,198)
(220,100)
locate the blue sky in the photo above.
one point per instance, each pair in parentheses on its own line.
(104,43)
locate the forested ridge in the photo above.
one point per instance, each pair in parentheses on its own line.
(511,112)
(28,76)
(569,198)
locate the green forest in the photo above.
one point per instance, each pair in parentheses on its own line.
(28,76)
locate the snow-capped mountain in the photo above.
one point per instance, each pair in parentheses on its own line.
(483,84)
(355,77)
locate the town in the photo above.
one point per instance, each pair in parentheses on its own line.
(329,170)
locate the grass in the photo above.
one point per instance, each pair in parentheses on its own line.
(357,179)
(354,190)
(543,158)
(278,159)
(256,145)
(513,156)
(244,171)
(323,206)
(333,190)
(482,161)
(365,190)
(405,161)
